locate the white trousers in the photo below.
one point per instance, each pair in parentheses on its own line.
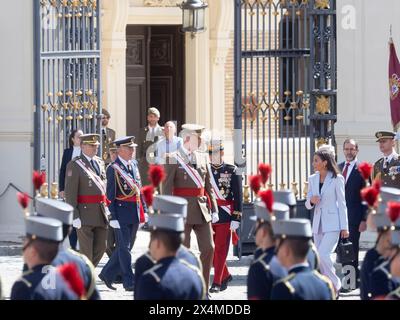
(326,244)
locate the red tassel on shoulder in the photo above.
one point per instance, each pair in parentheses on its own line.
(148,194)
(71,275)
(156,175)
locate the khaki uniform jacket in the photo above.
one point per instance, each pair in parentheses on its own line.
(176,177)
(77,184)
(106,140)
(388,180)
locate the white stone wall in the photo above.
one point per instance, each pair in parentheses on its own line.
(363,56)
(16,111)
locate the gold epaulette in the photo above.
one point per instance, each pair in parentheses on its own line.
(328,282)
(199,273)
(286,282)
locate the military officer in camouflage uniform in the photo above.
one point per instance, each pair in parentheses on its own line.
(85,190)
(227,188)
(302,283)
(147,139)
(107,136)
(187,176)
(387,168)
(63,212)
(41,281)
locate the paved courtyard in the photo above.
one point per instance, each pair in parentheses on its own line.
(11,266)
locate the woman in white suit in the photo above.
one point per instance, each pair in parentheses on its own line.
(326,196)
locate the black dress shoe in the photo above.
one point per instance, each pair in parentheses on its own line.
(118,279)
(224,284)
(107,283)
(343,290)
(215,288)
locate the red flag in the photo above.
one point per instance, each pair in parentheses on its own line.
(394,85)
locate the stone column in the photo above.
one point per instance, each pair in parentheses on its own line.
(113,51)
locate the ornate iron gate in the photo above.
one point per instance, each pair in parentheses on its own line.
(285,86)
(67,78)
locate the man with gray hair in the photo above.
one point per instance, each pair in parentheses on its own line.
(356,210)
(169,143)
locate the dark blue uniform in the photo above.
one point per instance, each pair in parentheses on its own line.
(146,262)
(230,187)
(171,279)
(126,212)
(370,261)
(260,278)
(31,287)
(381,280)
(302,283)
(394,295)
(85,267)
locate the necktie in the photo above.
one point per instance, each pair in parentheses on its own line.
(386,164)
(130,168)
(345,171)
(94,166)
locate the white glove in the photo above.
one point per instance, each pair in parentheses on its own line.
(215,217)
(146,218)
(234,225)
(115,224)
(77,223)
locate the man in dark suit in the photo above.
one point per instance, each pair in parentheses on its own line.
(356,210)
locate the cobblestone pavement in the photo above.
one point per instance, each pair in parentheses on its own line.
(11,266)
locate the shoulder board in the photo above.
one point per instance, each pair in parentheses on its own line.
(25,281)
(395,293)
(382,268)
(76,158)
(260,260)
(327,281)
(286,282)
(286,279)
(199,273)
(148,256)
(379,161)
(152,272)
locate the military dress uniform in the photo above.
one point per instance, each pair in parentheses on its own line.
(382,282)
(387,169)
(146,150)
(188,176)
(85,190)
(373,258)
(167,204)
(170,278)
(42,282)
(63,212)
(302,283)
(395,241)
(227,188)
(107,137)
(263,272)
(287,197)
(128,208)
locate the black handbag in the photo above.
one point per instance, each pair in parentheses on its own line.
(345,251)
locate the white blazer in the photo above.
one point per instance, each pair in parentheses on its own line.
(331,211)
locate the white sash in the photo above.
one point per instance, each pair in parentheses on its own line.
(96,179)
(129,180)
(194,174)
(216,191)
(132,184)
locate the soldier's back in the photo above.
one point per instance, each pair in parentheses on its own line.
(369,263)
(171,279)
(41,284)
(382,282)
(85,268)
(188,256)
(303,284)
